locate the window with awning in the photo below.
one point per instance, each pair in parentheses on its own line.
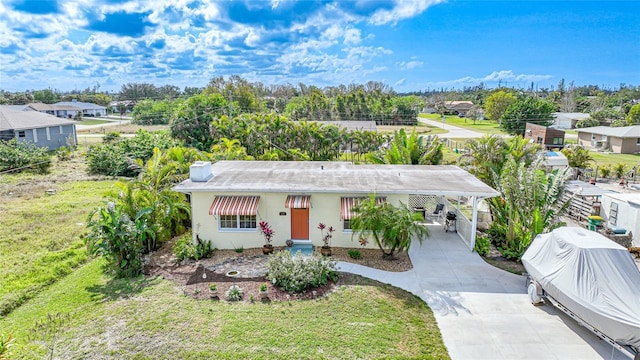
(298,202)
(235,213)
(234,205)
(348,203)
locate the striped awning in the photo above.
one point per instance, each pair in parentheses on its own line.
(298,201)
(234,205)
(348,203)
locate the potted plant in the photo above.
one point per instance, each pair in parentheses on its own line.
(213,288)
(289,243)
(268,233)
(327,234)
(264,291)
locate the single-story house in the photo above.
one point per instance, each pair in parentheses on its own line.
(567,120)
(66,111)
(229,198)
(620,140)
(548,137)
(621,212)
(42,129)
(88,109)
(458,107)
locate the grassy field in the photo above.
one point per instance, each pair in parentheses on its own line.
(153,319)
(40,237)
(89,121)
(611,160)
(481,126)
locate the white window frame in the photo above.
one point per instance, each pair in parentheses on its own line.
(35,135)
(344,222)
(238,228)
(48,134)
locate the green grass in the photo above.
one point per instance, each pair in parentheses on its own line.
(629,160)
(40,237)
(481,126)
(93,122)
(153,319)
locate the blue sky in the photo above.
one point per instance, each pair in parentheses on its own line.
(409,45)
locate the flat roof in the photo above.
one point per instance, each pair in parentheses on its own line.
(338,177)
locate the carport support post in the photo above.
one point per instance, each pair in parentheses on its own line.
(474,222)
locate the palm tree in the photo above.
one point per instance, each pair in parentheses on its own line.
(578,156)
(392,228)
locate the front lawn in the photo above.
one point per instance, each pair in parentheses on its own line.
(481,126)
(153,319)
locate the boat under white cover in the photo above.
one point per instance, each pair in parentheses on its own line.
(592,276)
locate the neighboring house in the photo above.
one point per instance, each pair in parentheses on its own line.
(621,213)
(351,125)
(43,130)
(55,110)
(88,109)
(115,104)
(566,120)
(548,137)
(620,140)
(458,107)
(229,198)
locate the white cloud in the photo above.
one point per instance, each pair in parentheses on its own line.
(400,82)
(352,37)
(504,76)
(403,9)
(408,65)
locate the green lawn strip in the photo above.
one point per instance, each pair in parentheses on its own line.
(40,239)
(602,159)
(154,319)
(481,126)
(93,122)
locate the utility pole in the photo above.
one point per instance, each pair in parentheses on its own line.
(230,104)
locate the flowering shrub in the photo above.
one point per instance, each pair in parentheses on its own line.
(298,273)
(326,236)
(266,231)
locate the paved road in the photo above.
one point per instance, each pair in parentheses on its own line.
(484,312)
(455,132)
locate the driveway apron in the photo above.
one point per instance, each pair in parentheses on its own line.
(484,312)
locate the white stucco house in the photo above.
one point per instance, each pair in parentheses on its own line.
(88,109)
(621,212)
(229,198)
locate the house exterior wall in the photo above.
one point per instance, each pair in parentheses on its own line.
(52,137)
(628,216)
(629,145)
(545,136)
(325,208)
(584,139)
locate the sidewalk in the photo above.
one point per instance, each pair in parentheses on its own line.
(484,312)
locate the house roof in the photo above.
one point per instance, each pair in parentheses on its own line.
(351,125)
(622,132)
(49,107)
(20,120)
(81,105)
(569,116)
(338,177)
(632,198)
(458,104)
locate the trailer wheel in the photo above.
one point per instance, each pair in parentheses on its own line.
(534,294)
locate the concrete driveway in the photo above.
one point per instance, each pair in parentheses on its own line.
(484,312)
(455,132)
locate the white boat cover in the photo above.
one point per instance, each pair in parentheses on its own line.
(592,276)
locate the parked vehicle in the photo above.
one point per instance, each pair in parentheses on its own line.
(592,279)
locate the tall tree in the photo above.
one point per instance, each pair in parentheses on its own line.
(531,110)
(497,103)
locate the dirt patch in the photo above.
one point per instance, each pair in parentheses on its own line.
(494,258)
(188,275)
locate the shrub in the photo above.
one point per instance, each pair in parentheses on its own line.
(108,159)
(263,287)
(111,137)
(619,170)
(298,273)
(234,293)
(24,156)
(605,171)
(63,153)
(213,287)
(483,245)
(355,254)
(184,248)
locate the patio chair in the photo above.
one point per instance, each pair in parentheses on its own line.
(437,214)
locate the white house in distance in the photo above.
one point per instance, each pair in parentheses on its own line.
(229,198)
(88,109)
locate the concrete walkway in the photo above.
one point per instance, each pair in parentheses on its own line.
(484,312)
